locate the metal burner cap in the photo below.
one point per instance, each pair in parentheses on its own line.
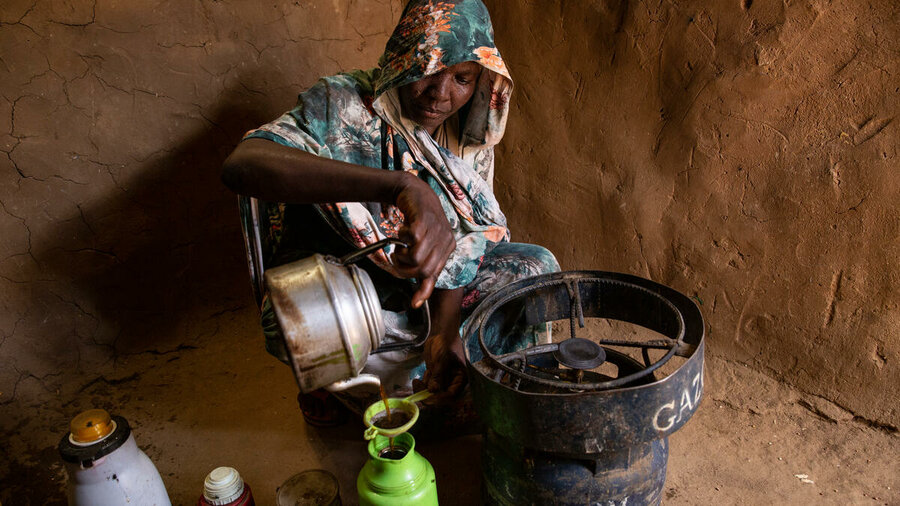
(579,353)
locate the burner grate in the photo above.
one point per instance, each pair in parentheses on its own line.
(578,354)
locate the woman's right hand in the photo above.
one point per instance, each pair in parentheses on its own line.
(276,173)
(428,234)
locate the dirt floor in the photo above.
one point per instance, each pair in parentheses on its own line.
(225,402)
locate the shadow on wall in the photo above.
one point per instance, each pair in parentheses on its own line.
(144,269)
(166,252)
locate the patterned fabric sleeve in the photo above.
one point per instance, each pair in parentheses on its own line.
(331,120)
(303,127)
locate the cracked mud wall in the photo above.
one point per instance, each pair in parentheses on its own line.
(117,237)
(743,152)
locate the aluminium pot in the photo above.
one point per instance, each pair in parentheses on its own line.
(331,319)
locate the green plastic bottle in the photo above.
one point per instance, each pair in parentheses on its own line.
(398,477)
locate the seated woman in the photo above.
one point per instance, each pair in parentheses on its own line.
(404,150)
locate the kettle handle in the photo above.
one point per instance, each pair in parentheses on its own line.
(420,340)
(358,255)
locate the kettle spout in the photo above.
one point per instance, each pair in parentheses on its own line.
(362,379)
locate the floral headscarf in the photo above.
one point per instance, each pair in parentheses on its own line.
(433,35)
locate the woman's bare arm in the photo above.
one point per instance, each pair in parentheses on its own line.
(267,170)
(444,357)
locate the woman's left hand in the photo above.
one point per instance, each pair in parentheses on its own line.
(445,364)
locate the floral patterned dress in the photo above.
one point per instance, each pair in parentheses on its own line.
(355,117)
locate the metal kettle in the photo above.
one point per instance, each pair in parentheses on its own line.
(331,319)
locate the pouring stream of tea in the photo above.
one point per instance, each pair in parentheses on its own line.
(387,409)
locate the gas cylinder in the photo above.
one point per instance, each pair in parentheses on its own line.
(105,466)
(396,474)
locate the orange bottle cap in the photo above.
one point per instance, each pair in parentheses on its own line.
(90,426)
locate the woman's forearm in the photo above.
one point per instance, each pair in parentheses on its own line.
(446,306)
(267,170)
(444,355)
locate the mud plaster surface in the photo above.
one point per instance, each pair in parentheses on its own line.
(743,152)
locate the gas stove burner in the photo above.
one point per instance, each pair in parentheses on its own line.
(579,353)
(564,295)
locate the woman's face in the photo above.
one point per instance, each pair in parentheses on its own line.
(433,99)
